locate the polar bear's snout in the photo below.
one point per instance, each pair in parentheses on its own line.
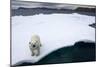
(35,45)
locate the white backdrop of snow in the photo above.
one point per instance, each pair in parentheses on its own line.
(55,31)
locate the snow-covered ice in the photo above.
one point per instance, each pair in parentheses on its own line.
(55,31)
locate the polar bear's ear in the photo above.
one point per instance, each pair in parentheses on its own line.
(29,42)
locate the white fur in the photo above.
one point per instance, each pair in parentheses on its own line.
(35,41)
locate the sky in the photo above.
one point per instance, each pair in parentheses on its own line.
(85,2)
(28,4)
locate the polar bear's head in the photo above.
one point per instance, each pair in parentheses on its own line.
(33,44)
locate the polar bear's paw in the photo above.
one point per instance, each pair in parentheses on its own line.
(32,54)
(37,54)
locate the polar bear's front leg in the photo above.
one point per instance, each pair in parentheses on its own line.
(38,51)
(40,45)
(32,51)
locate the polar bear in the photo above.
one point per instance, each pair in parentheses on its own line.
(35,45)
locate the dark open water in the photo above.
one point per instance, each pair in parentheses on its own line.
(80,52)
(33,11)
